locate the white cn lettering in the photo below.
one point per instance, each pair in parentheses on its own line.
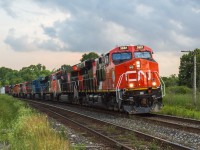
(149,75)
(139,73)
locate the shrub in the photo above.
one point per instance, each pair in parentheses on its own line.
(23,128)
(179,90)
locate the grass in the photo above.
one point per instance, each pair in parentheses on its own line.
(110,129)
(23,128)
(181,105)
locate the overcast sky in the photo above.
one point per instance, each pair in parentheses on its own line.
(57,32)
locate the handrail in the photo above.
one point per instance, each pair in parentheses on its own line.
(117,87)
(162,82)
(119,82)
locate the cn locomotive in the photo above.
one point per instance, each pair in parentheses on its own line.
(124,79)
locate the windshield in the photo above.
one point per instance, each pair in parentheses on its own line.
(142,54)
(121,56)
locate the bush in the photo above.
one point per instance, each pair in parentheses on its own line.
(23,128)
(179,90)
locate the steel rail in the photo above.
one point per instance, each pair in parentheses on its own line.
(160,141)
(106,139)
(186,120)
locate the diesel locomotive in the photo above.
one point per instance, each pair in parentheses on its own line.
(124,79)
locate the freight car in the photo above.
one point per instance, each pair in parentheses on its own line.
(124,79)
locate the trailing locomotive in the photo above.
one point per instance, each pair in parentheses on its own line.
(124,79)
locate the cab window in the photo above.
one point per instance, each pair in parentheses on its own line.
(118,58)
(121,56)
(142,55)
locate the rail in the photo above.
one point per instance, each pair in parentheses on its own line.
(99,130)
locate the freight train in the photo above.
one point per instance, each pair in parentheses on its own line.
(124,79)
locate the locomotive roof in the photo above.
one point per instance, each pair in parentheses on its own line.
(131,48)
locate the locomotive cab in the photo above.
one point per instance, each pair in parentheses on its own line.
(138,86)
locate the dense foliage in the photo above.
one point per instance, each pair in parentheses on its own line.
(186,69)
(67,68)
(178,90)
(9,76)
(91,55)
(171,80)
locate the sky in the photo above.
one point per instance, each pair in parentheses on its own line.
(57,32)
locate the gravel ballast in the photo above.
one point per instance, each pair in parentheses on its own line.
(174,135)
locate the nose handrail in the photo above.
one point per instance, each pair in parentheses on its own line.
(118,94)
(162,83)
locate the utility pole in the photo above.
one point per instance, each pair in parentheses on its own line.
(194,78)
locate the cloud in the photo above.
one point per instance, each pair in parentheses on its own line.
(40,27)
(50,31)
(176,24)
(51,45)
(25,44)
(196,10)
(101,26)
(7,6)
(97,25)
(18,43)
(144,10)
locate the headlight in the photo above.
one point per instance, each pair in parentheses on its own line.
(131,85)
(138,64)
(131,67)
(154,83)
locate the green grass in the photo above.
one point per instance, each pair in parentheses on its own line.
(181,105)
(22,128)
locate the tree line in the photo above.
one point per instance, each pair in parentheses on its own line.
(185,76)
(10,77)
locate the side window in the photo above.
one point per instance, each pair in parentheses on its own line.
(100,60)
(107,59)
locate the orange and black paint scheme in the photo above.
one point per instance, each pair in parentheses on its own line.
(124,79)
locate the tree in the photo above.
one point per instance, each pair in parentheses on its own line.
(186,69)
(9,76)
(67,68)
(91,55)
(170,81)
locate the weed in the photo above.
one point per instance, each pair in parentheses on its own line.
(79,147)
(110,129)
(23,128)
(181,105)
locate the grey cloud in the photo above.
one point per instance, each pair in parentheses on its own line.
(85,31)
(50,31)
(23,43)
(7,6)
(50,45)
(17,44)
(100,25)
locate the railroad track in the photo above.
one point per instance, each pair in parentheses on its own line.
(116,136)
(185,124)
(174,122)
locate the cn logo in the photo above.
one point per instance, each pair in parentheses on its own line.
(140,72)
